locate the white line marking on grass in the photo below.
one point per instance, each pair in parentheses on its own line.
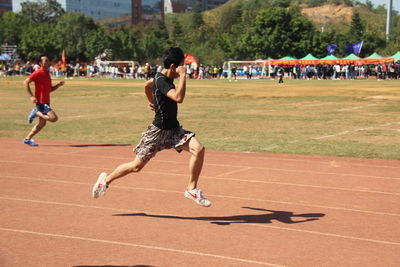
(270,147)
(356,130)
(195,253)
(72,117)
(212,195)
(357,107)
(165,214)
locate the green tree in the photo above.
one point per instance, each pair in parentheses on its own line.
(230,16)
(349,2)
(161,31)
(37,40)
(341,42)
(71,33)
(12,25)
(281,3)
(125,44)
(372,43)
(48,11)
(197,17)
(320,42)
(369,5)
(177,35)
(153,43)
(278,32)
(97,42)
(357,28)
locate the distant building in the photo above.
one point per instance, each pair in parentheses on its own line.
(136,10)
(5,6)
(104,9)
(171,6)
(97,9)
(205,4)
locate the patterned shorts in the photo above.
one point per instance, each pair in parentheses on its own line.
(155,140)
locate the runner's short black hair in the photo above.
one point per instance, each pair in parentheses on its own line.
(173,55)
(38,59)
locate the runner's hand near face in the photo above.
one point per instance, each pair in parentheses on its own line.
(181,71)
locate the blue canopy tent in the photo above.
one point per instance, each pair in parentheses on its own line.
(5,57)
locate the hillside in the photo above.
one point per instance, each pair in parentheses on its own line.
(338,17)
(328,16)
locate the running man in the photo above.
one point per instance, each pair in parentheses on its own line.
(165,132)
(41,99)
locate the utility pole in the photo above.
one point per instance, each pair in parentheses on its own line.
(389,18)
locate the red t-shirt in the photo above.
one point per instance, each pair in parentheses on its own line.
(42,81)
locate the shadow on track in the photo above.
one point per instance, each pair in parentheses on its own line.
(280,216)
(114,266)
(91,145)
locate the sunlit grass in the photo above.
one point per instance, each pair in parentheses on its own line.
(338,118)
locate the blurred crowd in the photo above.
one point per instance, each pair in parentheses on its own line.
(103,70)
(236,71)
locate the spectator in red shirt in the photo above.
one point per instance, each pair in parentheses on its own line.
(41,98)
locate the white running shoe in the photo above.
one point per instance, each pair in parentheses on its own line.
(197,196)
(99,188)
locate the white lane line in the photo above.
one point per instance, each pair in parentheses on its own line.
(304,185)
(232,172)
(195,253)
(258,168)
(217,177)
(211,195)
(174,215)
(317,161)
(332,235)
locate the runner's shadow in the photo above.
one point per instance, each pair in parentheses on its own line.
(99,145)
(114,266)
(280,216)
(90,145)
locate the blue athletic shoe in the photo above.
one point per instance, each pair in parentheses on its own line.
(32,115)
(29,142)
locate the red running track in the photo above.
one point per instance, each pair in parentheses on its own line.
(268,209)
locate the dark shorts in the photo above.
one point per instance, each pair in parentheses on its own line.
(43,108)
(155,140)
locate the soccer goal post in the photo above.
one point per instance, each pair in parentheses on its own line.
(257,68)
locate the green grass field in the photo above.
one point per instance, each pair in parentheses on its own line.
(338,118)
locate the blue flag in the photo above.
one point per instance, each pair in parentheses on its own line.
(354,48)
(331,49)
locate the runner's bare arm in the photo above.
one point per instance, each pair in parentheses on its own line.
(58,85)
(179,93)
(29,91)
(148,89)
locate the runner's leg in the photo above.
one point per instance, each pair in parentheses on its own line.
(124,169)
(36,129)
(194,147)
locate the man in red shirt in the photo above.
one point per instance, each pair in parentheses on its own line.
(41,98)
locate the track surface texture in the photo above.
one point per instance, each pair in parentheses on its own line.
(267,209)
